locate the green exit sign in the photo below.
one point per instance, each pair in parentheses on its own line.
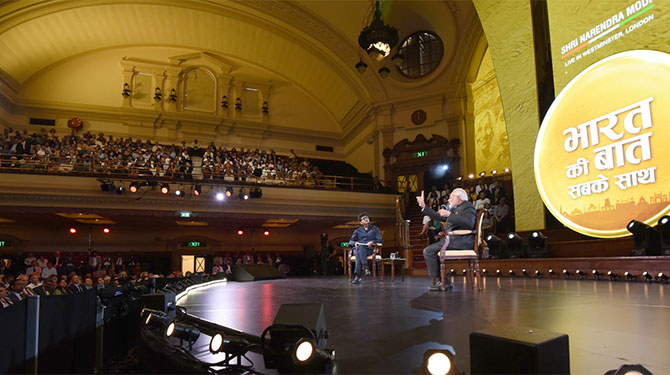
(4,244)
(420,154)
(195,244)
(344,244)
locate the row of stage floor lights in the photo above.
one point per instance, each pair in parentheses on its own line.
(577,274)
(195,190)
(648,241)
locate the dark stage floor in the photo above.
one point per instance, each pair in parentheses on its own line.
(384,328)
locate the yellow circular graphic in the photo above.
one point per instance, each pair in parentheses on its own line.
(603,150)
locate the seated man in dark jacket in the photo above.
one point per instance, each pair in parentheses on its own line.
(460,215)
(364,239)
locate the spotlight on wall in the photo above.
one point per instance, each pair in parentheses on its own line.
(266,232)
(73,230)
(243,194)
(484,271)
(645,237)
(106,230)
(240,231)
(229,191)
(482,174)
(179,192)
(439,361)
(165,188)
(134,187)
(494,172)
(197,190)
(255,192)
(361,67)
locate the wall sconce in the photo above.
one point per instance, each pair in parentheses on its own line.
(224,102)
(173,95)
(361,67)
(384,72)
(266,108)
(126,90)
(238,104)
(158,95)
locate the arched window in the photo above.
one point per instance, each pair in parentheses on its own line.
(199,91)
(422,53)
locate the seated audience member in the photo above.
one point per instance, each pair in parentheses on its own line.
(460,215)
(34,281)
(29,260)
(500,216)
(88,283)
(481,201)
(26,291)
(48,271)
(5,301)
(42,261)
(33,268)
(76,286)
(16,290)
(2,281)
(62,288)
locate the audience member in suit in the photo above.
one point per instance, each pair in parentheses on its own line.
(16,290)
(5,301)
(76,285)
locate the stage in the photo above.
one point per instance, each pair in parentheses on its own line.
(384,328)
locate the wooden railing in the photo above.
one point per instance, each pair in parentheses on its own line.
(402,230)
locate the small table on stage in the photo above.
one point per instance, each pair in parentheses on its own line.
(393,262)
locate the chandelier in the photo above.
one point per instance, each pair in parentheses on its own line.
(377,39)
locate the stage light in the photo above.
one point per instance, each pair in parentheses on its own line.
(538,273)
(229,191)
(596,274)
(120,190)
(471,176)
(663,229)
(452,271)
(154,318)
(524,272)
(197,190)
(662,277)
(496,246)
(646,239)
(230,344)
(243,195)
(266,232)
(134,187)
(240,231)
(611,275)
(566,274)
(497,272)
(515,245)
(165,188)
(537,245)
(465,271)
(628,275)
(106,230)
(445,167)
(303,350)
(511,273)
(484,271)
(179,192)
(107,186)
(506,170)
(438,362)
(579,273)
(73,230)
(494,172)
(629,370)
(551,272)
(220,196)
(482,174)
(182,332)
(646,276)
(255,193)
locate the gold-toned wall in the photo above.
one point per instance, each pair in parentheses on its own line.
(491,143)
(511,45)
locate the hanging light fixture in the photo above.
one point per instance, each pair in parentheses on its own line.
(377,39)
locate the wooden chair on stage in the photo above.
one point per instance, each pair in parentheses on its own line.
(374,259)
(471,256)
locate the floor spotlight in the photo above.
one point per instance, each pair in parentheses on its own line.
(106,230)
(465,271)
(647,276)
(231,345)
(255,193)
(197,190)
(120,190)
(134,187)
(629,276)
(220,196)
(266,232)
(484,271)
(496,246)
(154,318)
(73,230)
(439,362)
(515,245)
(662,277)
(579,273)
(165,188)
(452,272)
(511,273)
(240,231)
(538,273)
(243,194)
(611,275)
(497,272)
(183,332)
(596,274)
(524,272)
(229,191)
(566,274)
(552,273)
(179,193)
(537,245)
(664,232)
(646,239)
(107,186)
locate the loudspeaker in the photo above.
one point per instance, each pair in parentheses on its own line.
(517,350)
(253,272)
(309,315)
(158,301)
